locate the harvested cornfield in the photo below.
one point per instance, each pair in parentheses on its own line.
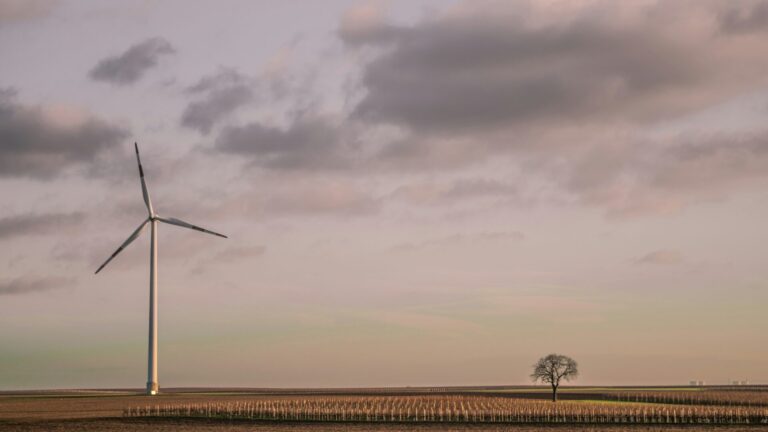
(706,397)
(455,409)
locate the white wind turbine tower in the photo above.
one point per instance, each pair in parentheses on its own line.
(153,219)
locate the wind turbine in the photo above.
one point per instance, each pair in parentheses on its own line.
(153,219)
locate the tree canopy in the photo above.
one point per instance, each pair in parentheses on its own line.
(554,368)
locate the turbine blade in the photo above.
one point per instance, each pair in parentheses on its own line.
(144,190)
(130,239)
(181,223)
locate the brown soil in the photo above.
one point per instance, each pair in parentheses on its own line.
(102,411)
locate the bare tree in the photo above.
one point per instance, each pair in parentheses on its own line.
(553,368)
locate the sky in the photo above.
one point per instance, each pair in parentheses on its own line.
(415,192)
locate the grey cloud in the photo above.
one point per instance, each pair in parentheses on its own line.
(567,98)
(21,225)
(237,253)
(490,68)
(32,145)
(648,177)
(661,257)
(222,94)
(21,286)
(222,78)
(364,36)
(550,95)
(452,192)
(130,66)
(202,115)
(745,17)
(712,162)
(479,187)
(418,152)
(484,71)
(309,143)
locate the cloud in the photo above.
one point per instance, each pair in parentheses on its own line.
(419,152)
(488,67)
(429,193)
(500,65)
(35,224)
(322,197)
(711,162)
(567,96)
(564,99)
(745,17)
(289,195)
(130,66)
(307,143)
(24,10)
(637,178)
(238,253)
(30,285)
(222,94)
(42,143)
(661,257)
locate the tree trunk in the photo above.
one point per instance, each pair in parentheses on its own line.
(554,393)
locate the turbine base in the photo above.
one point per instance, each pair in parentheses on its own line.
(152,388)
